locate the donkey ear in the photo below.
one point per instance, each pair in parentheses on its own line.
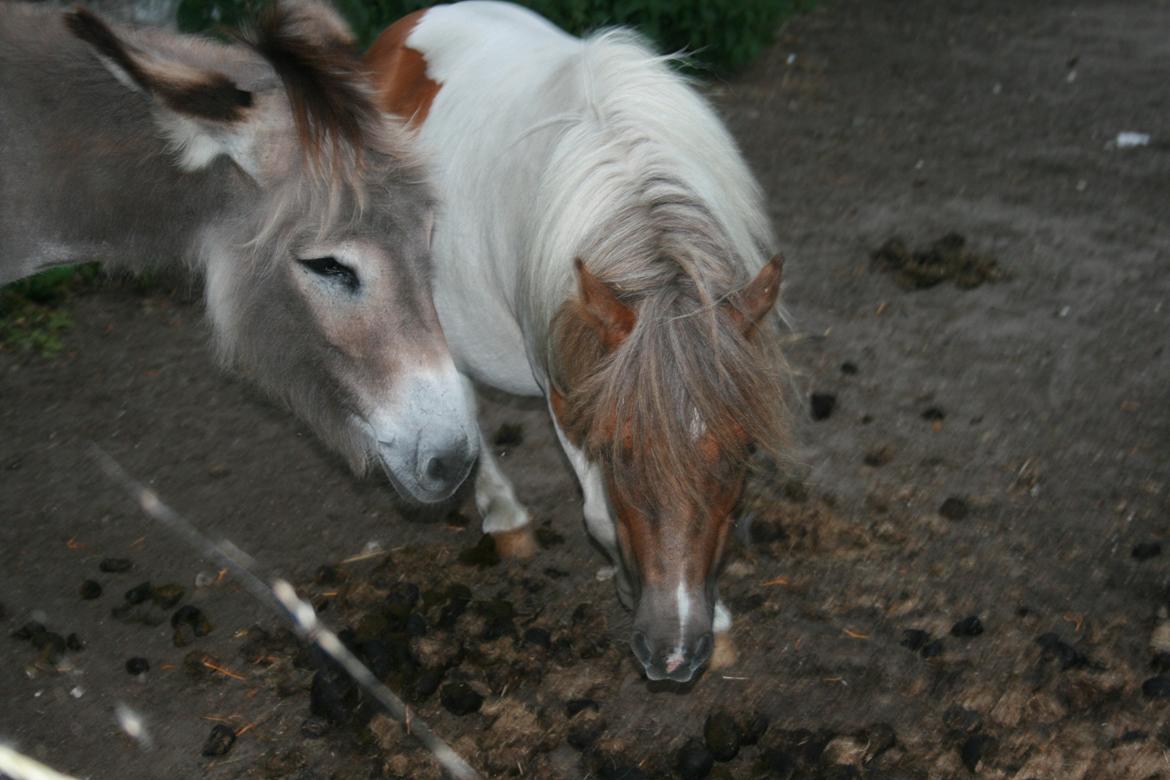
(749,305)
(612,319)
(200,110)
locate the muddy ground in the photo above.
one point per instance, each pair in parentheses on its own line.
(999,451)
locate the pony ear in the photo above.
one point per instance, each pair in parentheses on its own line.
(200,110)
(612,319)
(749,305)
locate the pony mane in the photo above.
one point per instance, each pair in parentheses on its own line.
(647,187)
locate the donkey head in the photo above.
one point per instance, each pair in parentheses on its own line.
(317,267)
(670,411)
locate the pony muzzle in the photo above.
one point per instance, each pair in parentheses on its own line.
(673,636)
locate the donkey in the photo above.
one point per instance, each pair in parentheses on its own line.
(602,243)
(266,166)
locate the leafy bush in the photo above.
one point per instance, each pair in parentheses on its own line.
(30,317)
(720,34)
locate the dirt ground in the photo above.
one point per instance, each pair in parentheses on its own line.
(999,451)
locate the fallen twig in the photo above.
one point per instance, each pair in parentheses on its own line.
(282,597)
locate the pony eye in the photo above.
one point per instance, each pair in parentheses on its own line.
(330,268)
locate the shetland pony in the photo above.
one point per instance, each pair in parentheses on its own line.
(265,166)
(601,242)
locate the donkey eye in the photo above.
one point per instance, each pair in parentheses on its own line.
(330,268)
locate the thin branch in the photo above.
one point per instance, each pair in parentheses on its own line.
(283,599)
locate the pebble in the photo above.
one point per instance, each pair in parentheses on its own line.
(914,639)
(459,698)
(1069,657)
(424,685)
(50,645)
(219,741)
(192,617)
(139,593)
(721,733)
(821,405)
(977,749)
(968,627)
(878,457)
(693,761)
(1146,550)
(168,596)
(849,368)
(116,565)
(1157,687)
(333,695)
(932,649)
(90,590)
(137,665)
(953,508)
(74,643)
(933,414)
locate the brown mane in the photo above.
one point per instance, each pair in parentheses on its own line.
(634,406)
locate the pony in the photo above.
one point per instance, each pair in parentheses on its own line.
(265,166)
(601,242)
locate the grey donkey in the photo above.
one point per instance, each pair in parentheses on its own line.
(264,165)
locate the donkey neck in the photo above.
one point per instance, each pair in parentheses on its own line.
(86,175)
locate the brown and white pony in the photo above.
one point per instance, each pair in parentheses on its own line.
(266,166)
(600,241)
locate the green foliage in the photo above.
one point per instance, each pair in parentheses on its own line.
(722,35)
(31,319)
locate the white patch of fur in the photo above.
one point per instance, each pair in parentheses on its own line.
(598,519)
(678,653)
(722,622)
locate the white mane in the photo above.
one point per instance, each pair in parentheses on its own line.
(641,170)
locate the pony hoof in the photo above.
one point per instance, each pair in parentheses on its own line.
(724,655)
(519,543)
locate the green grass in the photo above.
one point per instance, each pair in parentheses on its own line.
(33,317)
(721,35)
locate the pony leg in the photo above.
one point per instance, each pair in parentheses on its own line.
(504,517)
(723,655)
(598,520)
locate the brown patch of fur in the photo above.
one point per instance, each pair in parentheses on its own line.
(214,97)
(400,72)
(520,543)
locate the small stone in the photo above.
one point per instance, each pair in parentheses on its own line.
(508,435)
(459,698)
(849,368)
(953,508)
(693,761)
(314,727)
(1157,687)
(821,405)
(424,685)
(1146,550)
(977,749)
(933,414)
(219,741)
(573,706)
(137,665)
(968,627)
(721,733)
(50,645)
(333,695)
(169,595)
(189,622)
(878,457)
(139,593)
(90,590)
(1068,656)
(116,565)
(74,643)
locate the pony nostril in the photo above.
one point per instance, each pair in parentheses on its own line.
(641,648)
(703,650)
